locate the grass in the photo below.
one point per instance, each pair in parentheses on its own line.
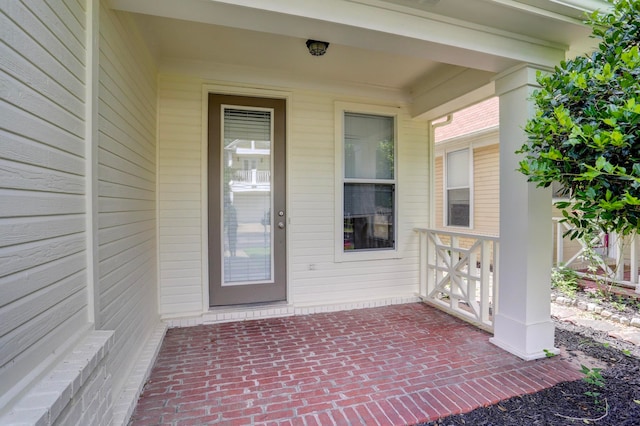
(257,251)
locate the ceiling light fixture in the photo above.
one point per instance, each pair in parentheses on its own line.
(317,48)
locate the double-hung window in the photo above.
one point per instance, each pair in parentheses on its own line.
(458,188)
(368,182)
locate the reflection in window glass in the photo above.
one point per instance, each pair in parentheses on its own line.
(368,216)
(368,146)
(369,182)
(247,196)
(458,200)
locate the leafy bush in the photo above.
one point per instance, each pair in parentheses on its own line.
(586,130)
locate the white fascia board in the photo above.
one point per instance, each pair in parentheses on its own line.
(365,26)
(585,5)
(562,10)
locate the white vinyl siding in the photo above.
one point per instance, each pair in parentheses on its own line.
(439,192)
(314,276)
(180,222)
(127,291)
(42,222)
(486,189)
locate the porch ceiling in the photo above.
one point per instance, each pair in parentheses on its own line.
(178,40)
(426,52)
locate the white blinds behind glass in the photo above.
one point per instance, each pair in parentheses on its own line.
(458,169)
(247,125)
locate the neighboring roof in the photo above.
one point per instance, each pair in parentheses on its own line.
(481,116)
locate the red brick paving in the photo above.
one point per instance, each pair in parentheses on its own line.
(395,365)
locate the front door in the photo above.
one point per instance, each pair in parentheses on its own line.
(247,216)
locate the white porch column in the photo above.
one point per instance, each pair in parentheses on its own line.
(523,323)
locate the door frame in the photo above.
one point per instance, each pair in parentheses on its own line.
(204,172)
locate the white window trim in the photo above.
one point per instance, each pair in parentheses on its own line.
(445,192)
(374,254)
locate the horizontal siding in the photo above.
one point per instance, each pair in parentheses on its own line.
(42,184)
(311,179)
(28,98)
(33,37)
(37,139)
(312,200)
(439,193)
(486,190)
(180,239)
(32,178)
(127,293)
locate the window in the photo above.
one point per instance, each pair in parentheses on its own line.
(458,188)
(368,182)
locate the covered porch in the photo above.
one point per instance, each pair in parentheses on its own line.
(411,63)
(392,365)
(115,223)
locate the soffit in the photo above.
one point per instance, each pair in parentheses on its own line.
(410,47)
(179,40)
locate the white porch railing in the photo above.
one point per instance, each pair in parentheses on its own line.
(458,274)
(254,177)
(619,260)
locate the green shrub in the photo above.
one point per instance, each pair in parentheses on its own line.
(586,130)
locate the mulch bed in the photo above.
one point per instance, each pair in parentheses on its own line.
(567,403)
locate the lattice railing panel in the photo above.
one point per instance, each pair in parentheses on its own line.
(459,274)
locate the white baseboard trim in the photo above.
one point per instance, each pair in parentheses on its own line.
(280,309)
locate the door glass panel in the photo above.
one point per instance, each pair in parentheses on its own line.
(247,213)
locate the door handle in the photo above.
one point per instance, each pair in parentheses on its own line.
(281,225)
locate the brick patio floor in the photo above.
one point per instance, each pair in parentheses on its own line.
(394,365)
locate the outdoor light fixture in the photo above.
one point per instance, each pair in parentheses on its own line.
(317,48)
